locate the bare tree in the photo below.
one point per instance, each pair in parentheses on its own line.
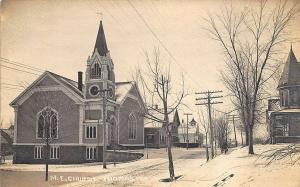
(155,82)
(42,109)
(251,40)
(204,124)
(222,130)
(241,128)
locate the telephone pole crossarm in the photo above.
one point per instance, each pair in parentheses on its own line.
(212,97)
(209,92)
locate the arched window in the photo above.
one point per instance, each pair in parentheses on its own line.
(47,123)
(132,127)
(108,73)
(114,129)
(96,71)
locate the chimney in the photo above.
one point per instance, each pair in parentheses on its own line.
(80,80)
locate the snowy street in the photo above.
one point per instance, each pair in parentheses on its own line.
(233,169)
(151,169)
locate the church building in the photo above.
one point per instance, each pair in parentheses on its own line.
(71,113)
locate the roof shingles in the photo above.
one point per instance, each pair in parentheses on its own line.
(291,72)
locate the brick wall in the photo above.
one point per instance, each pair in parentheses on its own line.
(68,117)
(128,107)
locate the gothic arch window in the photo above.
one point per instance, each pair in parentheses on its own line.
(108,73)
(114,129)
(47,123)
(96,71)
(132,127)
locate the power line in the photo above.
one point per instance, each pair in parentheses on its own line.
(158,39)
(21,65)
(11,84)
(11,88)
(19,70)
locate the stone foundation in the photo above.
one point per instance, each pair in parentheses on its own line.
(24,154)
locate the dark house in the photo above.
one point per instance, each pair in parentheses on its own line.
(283,115)
(6,142)
(155,133)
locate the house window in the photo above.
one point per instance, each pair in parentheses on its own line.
(286,98)
(47,123)
(132,127)
(286,130)
(91,131)
(293,98)
(54,152)
(91,153)
(38,152)
(96,71)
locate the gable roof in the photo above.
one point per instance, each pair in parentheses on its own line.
(122,89)
(152,124)
(67,83)
(100,44)
(291,73)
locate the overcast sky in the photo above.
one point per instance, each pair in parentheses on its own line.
(60,35)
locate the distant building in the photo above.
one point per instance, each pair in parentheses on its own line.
(155,133)
(73,111)
(283,114)
(174,127)
(193,138)
(6,136)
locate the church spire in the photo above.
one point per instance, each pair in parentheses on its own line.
(291,72)
(100,44)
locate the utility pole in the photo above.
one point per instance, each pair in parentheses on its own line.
(182,127)
(0,143)
(47,148)
(187,129)
(234,117)
(208,102)
(103,94)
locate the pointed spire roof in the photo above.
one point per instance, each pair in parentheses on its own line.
(100,44)
(291,72)
(176,120)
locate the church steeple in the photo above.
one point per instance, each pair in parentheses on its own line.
(100,68)
(100,44)
(291,71)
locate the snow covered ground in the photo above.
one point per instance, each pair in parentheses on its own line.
(234,169)
(240,169)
